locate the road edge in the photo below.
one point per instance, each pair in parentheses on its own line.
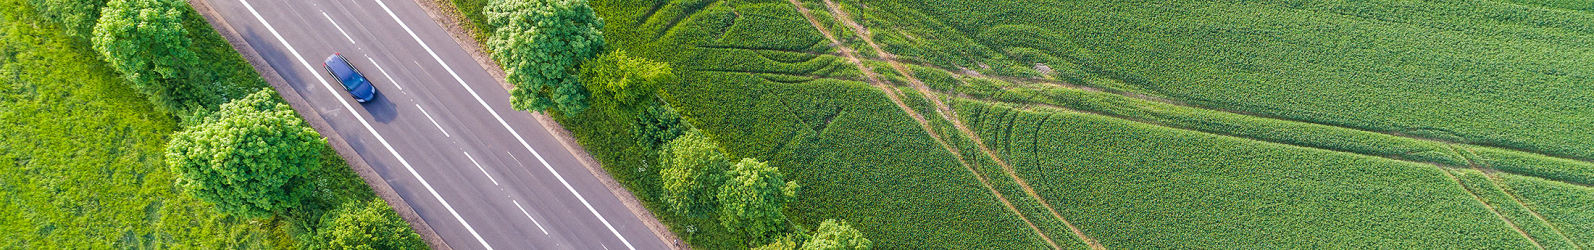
(375,181)
(450,20)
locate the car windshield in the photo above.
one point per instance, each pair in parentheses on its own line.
(352,80)
(344,72)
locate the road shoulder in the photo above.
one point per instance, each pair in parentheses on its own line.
(377,183)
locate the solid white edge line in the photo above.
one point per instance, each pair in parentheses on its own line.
(363,122)
(528,215)
(505,124)
(340,28)
(384,72)
(479,166)
(434,121)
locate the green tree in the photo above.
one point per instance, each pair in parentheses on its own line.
(657,124)
(751,200)
(540,43)
(75,17)
(624,83)
(146,42)
(366,225)
(783,243)
(833,235)
(691,167)
(247,156)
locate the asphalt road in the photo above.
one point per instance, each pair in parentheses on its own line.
(441,130)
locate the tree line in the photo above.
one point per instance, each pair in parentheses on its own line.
(554,53)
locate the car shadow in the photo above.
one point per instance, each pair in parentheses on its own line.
(382,110)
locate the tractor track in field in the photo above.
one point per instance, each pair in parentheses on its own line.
(1495,181)
(1445,169)
(1403,132)
(947,113)
(1490,207)
(1061,84)
(891,93)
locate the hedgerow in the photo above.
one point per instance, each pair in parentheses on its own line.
(1133,185)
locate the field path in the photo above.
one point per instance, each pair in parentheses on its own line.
(892,94)
(947,113)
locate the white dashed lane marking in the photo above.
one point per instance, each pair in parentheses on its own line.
(340,28)
(384,73)
(479,166)
(528,215)
(434,121)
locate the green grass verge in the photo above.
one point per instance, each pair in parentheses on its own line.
(82,159)
(81,153)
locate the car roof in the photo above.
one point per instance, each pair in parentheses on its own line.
(341,69)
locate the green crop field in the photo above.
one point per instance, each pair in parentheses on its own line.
(762,82)
(1138,186)
(1486,72)
(1034,124)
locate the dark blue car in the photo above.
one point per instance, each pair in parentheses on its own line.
(352,79)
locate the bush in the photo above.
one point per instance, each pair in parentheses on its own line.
(366,225)
(539,44)
(146,42)
(784,243)
(692,166)
(656,125)
(75,17)
(833,235)
(622,82)
(751,200)
(247,156)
